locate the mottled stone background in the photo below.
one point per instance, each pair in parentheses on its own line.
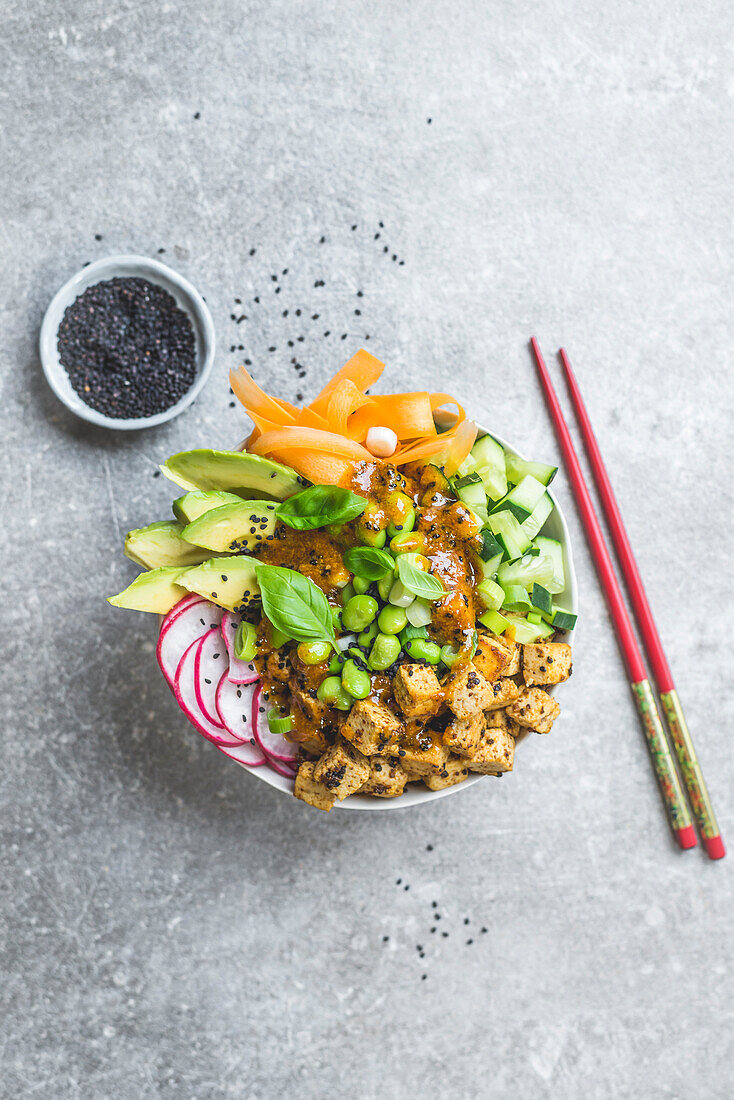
(172,927)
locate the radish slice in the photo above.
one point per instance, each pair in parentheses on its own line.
(248,754)
(274,745)
(234,708)
(178,630)
(183,689)
(240,672)
(282,769)
(210,664)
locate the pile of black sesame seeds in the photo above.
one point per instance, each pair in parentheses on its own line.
(128,349)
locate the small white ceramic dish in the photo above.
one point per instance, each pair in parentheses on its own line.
(187,298)
(555,528)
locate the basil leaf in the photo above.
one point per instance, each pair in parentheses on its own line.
(319,506)
(369,562)
(294,604)
(416,581)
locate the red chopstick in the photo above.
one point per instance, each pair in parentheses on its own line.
(662,758)
(675,718)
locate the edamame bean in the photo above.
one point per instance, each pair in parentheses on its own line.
(314,653)
(368,636)
(423,650)
(336,619)
(355,680)
(359,613)
(404,525)
(384,585)
(336,664)
(344,701)
(407,540)
(346,594)
(369,526)
(391,620)
(361,585)
(385,652)
(329,689)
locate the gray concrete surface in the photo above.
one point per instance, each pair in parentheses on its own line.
(172,927)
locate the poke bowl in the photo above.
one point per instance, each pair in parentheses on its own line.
(349,654)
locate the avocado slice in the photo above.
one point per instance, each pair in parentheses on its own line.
(233,527)
(161,544)
(228,582)
(234,471)
(192,505)
(155,591)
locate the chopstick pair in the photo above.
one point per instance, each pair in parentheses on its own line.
(660,750)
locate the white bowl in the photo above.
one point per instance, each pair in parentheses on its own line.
(556,528)
(187,298)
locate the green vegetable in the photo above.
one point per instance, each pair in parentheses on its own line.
(542,599)
(449,655)
(361,585)
(399,595)
(535,617)
(368,636)
(277,724)
(336,618)
(319,506)
(468,479)
(490,546)
(384,585)
(245,642)
(329,689)
(406,540)
(336,663)
(514,598)
(355,681)
(277,637)
(369,562)
(409,632)
(346,594)
(419,613)
(359,613)
(391,620)
(416,581)
(423,650)
(406,524)
(294,604)
(314,653)
(385,652)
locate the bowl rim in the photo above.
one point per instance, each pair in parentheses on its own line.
(187,298)
(420,797)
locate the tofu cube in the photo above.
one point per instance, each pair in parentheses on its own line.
(421,756)
(371,727)
(492,657)
(467,692)
(503,692)
(307,702)
(546,663)
(534,709)
(342,770)
(452,772)
(500,720)
(387,777)
(308,790)
(417,691)
(496,752)
(462,735)
(515,653)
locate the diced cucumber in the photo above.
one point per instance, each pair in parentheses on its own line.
(515,598)
(467,479)
(523,499)
(474,496)
(488,459)
(535,617)
(562,620)
(526,632)
(493,621)
(491,594)
(542,599)
(526,572)
(534,523)
(518,468)
(553,549)
(490,567)
(510,535)
(490,546)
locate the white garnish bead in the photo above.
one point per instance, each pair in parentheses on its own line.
(381,442)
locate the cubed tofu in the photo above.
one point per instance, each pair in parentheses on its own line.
(342,769)
(495,753)
(371,727)
(500,720)
(452,772)
(467,692)
(503,692)
(546,663)
(534,709)
(387,777)
(422,756)
(310,705)
(278,666)
(515,653)
(309,790)
(492,657)
(417,691)
(462,735)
